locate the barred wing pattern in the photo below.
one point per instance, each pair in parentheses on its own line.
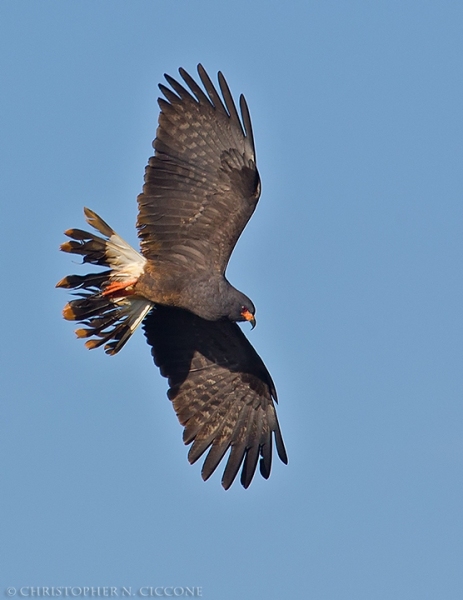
(202,184)
(221,391)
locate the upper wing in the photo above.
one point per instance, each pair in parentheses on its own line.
(201,185)
(221,391)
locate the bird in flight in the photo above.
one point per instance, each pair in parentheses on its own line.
(201,188)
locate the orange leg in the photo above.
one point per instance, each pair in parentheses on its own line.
(119,289)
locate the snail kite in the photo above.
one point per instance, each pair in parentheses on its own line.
(201,187)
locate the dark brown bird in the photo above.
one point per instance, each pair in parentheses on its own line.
(201,188)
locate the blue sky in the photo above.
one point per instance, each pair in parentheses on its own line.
(353,259)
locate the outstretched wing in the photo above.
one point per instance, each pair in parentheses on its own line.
(221,391)
(201,185)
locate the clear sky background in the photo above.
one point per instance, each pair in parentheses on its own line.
(354,259)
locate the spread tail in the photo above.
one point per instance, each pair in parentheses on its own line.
(105,302)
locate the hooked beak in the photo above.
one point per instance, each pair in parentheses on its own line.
(249,317)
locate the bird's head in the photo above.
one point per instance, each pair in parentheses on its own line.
(243,310)
(234,305)
(247,314)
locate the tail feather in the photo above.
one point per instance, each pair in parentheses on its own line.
(92,281)
(108,319)
(90,246)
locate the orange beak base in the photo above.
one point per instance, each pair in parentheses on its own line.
(249,317)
